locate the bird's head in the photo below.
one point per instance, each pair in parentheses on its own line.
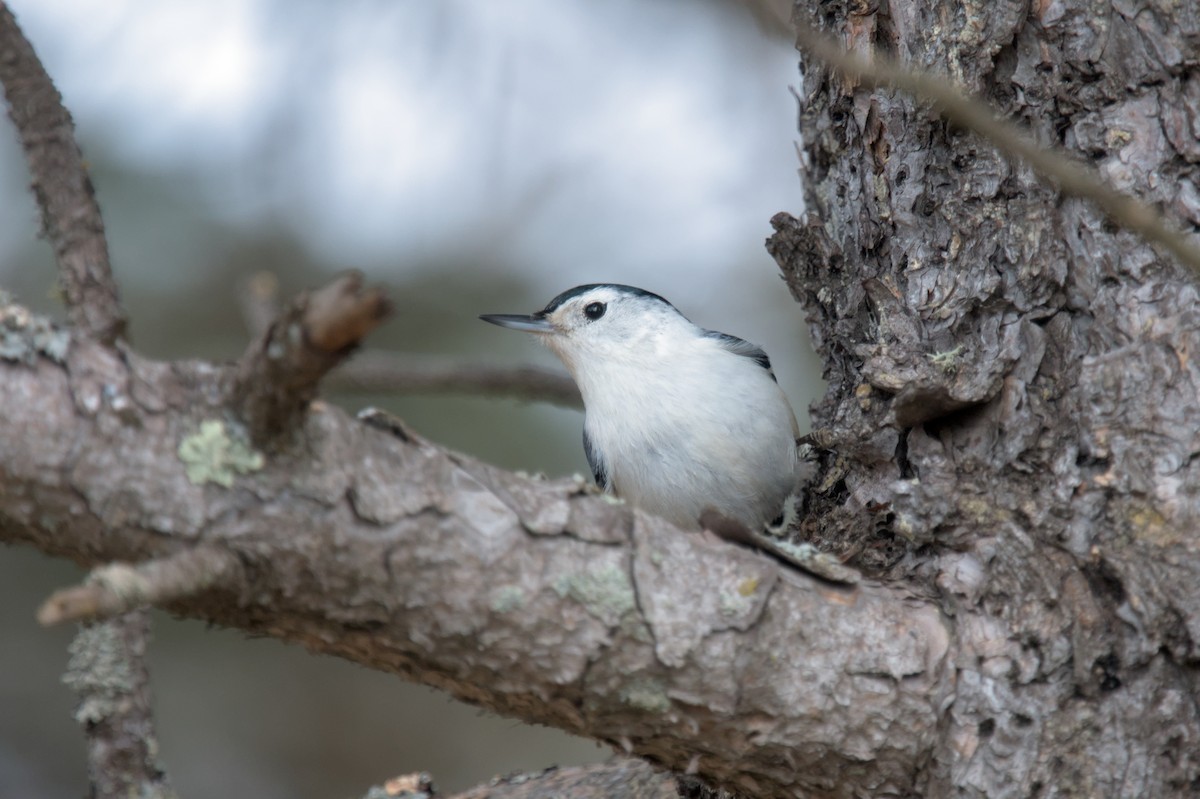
(598,321)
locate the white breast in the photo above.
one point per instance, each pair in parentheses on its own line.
(683,424)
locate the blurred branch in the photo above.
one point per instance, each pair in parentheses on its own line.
(1053,164)
(382,372)
(379,372)
(108,672)
(65,196)
(773,16)
(259,302)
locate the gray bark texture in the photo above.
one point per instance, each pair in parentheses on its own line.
(1011,389)
(70,215)
(108,673)
(1006,454)
(535,599)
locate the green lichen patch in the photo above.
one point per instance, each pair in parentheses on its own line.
(947,361)
(634,628)
(507,598)
(647,695)
(733,603)
(100,673)
(215,454)
(605,592)
(25,336)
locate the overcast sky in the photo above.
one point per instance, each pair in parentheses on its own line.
(638,141)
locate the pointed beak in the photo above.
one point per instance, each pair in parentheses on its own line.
(529,324)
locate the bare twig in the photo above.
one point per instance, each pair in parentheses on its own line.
(277,376)
(1053,164)
(379,372)
(408,374)
(119,587)
(70,215)
(108,672)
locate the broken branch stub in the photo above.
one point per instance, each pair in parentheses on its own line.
(121,587)
(278,375)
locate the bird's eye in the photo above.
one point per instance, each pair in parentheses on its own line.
(594,310)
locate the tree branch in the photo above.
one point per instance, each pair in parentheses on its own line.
(382,372)
(535,599)
(378,372)
(108,672)
(65,195)
(277,377)
(119,587)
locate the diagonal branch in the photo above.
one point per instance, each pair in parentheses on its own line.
(65,196)
(535,599)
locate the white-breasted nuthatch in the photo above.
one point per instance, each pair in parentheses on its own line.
(677,418)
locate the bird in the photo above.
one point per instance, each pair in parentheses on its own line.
(677,418)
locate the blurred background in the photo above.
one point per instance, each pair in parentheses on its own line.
(474,156)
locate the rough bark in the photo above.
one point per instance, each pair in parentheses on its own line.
(70,214)
(1012,395)
(536,599)
(625,777)
(108,672)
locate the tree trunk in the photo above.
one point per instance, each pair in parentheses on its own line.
(1012,399)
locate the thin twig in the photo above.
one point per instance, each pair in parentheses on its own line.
(384,372)
(380,372)
(120,587)
(70,215)
(1053,164)
(108,673)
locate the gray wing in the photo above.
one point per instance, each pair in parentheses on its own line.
(599,470)
(739,346)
